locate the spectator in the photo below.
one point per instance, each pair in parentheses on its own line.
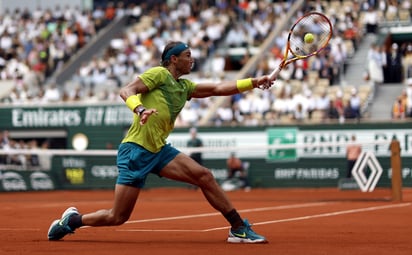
(33,158)
(309,103)
(218,65)
(195,142)
(224,115)
(333,113)
(260,106)
(398,109)
(3,146)
(298,114)
(355,103)
(347,110)
(280,104)
(322,104)
(5,140)
(409,97)
(189,116)
(394,65)
(375,64)
(338,104)
(44,158)
(14,158)
(235,167)
(52,94)
(236,36)
(371,20)
(300,69)
(353,151)
(407,62)
(327,70)
(245,104)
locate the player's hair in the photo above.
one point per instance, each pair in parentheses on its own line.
(172,48)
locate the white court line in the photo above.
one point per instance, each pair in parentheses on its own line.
(366,209)
(373,208)
(273,208)
(19,229)
(281,207)
(57,204)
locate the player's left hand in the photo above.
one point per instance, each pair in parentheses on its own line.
(146,114)
(264,82)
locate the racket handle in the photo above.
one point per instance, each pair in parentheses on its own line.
(275,73)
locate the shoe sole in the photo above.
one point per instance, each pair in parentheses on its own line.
(232,239)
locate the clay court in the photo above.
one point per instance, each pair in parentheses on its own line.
(180,221)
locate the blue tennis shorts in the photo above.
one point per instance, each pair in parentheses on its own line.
(135,162)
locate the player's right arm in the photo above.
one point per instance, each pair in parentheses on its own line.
(131,95)
(133,88)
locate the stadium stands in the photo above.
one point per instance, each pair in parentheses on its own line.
(34,45)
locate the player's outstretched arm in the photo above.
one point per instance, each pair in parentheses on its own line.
(227,88)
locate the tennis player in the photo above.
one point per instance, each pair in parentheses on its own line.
(156,97)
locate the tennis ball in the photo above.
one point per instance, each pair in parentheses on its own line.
(309,38)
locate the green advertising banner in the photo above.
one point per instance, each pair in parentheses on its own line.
(94,172)
(102,125)
(18,180)
(282,136)
(85,172)
(65,116)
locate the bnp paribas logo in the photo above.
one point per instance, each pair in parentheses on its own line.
(281,143)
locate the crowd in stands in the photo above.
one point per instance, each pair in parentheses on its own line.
(34,45)
(305,91)
(402,107)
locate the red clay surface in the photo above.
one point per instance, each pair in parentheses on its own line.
(180,221)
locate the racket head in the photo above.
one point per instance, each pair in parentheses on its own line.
(319,26)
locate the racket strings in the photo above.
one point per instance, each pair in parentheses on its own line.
(315,24)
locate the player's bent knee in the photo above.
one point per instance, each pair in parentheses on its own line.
(117,220)
(206,178)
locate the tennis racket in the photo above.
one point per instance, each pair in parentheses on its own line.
(307,37)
